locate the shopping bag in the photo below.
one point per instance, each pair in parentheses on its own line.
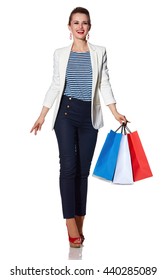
(123,172)
(106,162)
(140,165)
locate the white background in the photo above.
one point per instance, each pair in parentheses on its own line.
(125,225)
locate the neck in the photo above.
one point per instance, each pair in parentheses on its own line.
(80,45)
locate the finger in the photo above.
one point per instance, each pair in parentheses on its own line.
(32,129)
(126,120)
(123,120)
(34,126)
(36,129)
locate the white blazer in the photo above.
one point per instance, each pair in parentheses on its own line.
(100,82)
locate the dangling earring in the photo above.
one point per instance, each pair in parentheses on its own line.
(70,36)
(88,36)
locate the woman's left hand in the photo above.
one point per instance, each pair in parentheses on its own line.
(120,118)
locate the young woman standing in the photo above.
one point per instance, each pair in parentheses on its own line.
(80,75)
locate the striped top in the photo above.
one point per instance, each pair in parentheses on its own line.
(79,76)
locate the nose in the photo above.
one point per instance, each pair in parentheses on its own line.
(81,25)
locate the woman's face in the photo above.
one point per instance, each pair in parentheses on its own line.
(79,26)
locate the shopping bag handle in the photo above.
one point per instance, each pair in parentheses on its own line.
(124,128)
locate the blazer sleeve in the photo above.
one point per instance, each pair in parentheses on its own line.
(54,88)
(105,86)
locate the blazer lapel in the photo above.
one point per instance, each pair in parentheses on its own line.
(94,63)
(63,61)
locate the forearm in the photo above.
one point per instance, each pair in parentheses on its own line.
(44,112)
(113,108)
(119,117)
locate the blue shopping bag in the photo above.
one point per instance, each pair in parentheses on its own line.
(106,163)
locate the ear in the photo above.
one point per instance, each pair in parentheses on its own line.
(89,27)
(69,27)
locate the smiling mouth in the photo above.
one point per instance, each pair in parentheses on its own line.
(80,32)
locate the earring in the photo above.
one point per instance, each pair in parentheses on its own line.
(70,36)
(88,36)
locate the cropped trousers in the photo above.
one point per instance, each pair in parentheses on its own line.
(76,139)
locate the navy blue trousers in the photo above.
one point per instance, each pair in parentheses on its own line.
(76,141)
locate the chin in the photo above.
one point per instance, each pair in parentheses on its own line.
(81,37)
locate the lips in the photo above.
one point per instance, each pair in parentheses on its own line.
(80,32)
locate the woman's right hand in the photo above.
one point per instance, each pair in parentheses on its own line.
(37,125)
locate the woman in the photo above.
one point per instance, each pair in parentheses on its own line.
(80,73)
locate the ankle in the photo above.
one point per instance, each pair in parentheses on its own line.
(79,222)
(72,228)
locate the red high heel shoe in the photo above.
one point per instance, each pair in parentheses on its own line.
(75,242)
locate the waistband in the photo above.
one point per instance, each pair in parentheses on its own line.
(79,101)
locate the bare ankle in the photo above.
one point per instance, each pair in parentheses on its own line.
(79,222)
(72,227)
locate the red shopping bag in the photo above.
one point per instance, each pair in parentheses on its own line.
(140,165)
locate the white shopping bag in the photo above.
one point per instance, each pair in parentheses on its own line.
(123,173)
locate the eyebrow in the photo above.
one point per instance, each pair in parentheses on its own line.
(84,21)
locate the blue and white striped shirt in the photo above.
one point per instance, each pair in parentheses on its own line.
(79,76)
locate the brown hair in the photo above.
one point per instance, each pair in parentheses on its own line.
(81,11)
